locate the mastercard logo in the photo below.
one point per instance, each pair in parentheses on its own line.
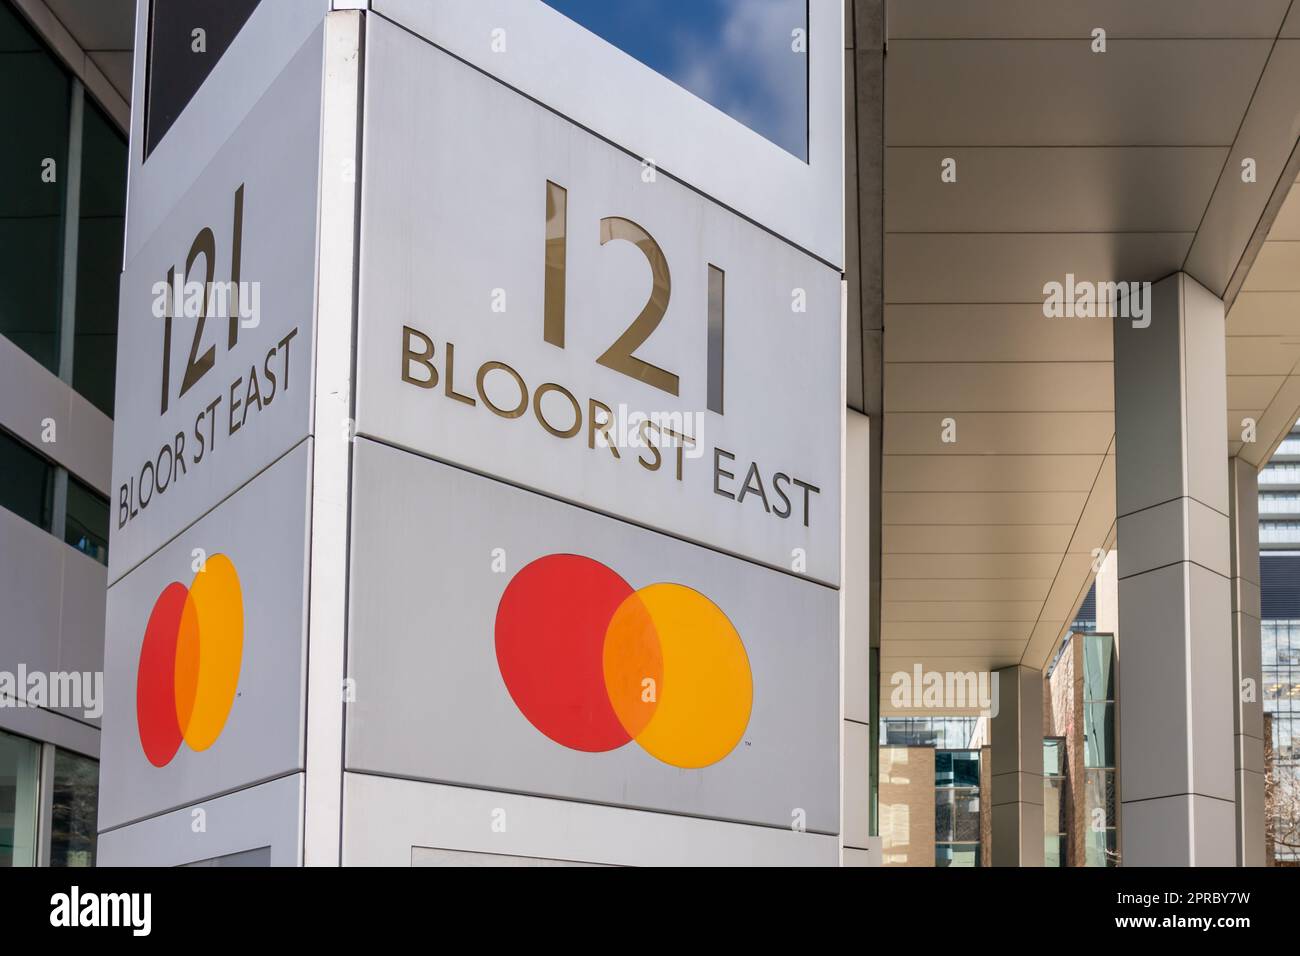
(189,662)
(593,663)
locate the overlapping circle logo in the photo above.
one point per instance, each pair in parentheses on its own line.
(189,662)
(593,663)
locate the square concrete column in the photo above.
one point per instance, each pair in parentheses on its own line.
(1248,712)
(1017,754)
(1175,596)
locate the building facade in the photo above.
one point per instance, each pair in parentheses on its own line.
(61,228)
(414,454)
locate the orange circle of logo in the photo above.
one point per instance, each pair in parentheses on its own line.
(189,662)
(593,663)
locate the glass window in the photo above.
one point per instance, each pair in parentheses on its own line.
(99,257)
(957,768)
(966,769)
(76,802)
(958,731)
(953,733)
(1101,847)
(949,854)
(1100,833)
(1099,798)
(1055,817)
(1099,696)
(1099,734)
(1053,756)
(1053,850)
(26,481)
(908,731)
(1285,502)
(748,59)
(1098,667)
(86,525)
(33,168)
(1270,643)
(1280,644)
(20,761)
(957,806)
(174,73)
(1279,532)
(1085,618)
(1280,475)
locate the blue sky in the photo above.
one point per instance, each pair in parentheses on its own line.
(736,54)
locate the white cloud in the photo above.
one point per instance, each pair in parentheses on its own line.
(750,71)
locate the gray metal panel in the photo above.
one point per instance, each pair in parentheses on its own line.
(48,726)
(31,576)
(30,394)
(430,700)
(1120,18)
(91,434)
(258,857)
(1267,136)
(447,224)
(557,62)
(96,26)
(253,64)
(274,155)
(81,625)
(53,601)
(1013,267)
(433,856)
(259,825)
(386,817)
(1291,28)
(1110,189)
(1151,442)
(1060,93)
(263,530)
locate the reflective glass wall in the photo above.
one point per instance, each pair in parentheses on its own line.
(74,810)
(944,733)
(40,781)
(19,807)
(62,221)
(1280,672)
(1100,799)
(34,173)
(1055,800)
(30,488)
(26,482)
(101,228)
(62,213)
(957,808)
